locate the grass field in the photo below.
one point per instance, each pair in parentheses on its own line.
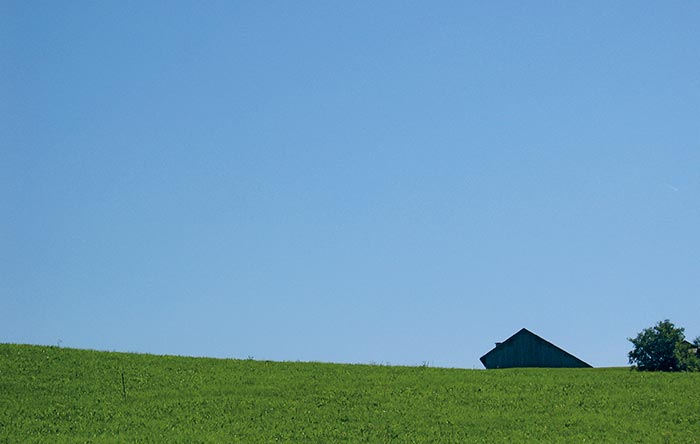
(56,395)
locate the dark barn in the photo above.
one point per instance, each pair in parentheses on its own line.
(526,349)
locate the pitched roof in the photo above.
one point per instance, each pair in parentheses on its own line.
(525,332)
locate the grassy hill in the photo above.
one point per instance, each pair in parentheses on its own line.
(57,395)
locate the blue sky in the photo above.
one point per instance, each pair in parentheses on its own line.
(399,182)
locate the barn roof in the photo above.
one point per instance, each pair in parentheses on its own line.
(532,336)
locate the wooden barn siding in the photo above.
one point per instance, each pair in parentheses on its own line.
(528,351)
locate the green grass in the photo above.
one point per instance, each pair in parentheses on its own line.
(56,395)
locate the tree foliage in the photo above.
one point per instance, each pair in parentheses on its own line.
(664,348)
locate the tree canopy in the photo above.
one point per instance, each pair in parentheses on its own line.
(664,348)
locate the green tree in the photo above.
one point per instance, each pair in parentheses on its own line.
(688,357)
(663,348)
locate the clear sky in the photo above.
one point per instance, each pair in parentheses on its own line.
(389,182)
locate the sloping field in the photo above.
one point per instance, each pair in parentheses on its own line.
(53,395)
